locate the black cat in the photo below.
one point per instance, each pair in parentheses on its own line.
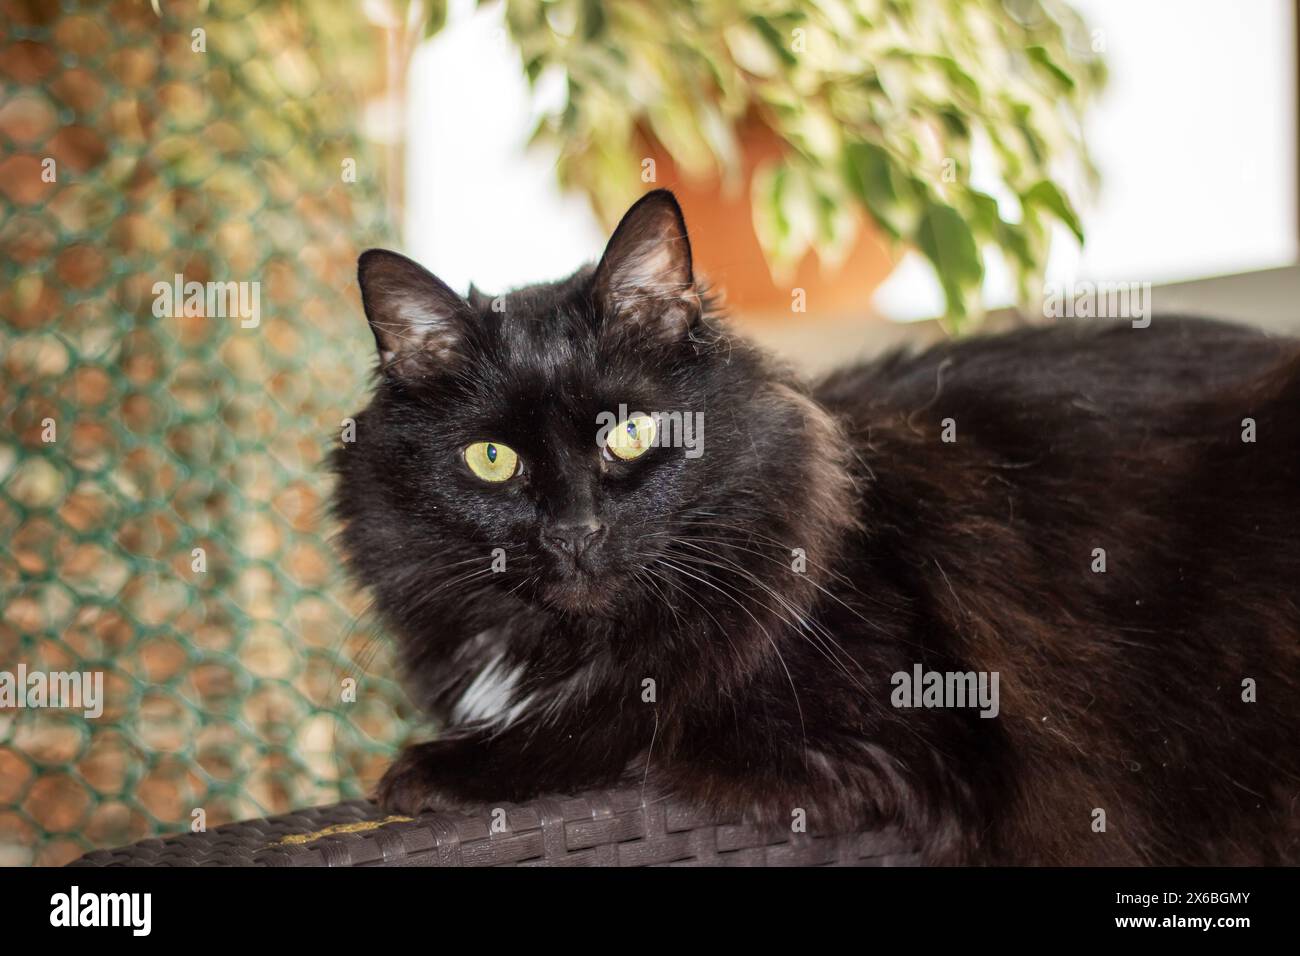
(1032,597)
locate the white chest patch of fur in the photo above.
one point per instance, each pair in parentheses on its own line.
(490,696)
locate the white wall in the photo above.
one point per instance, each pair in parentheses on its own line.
(1196,139)
(479,207)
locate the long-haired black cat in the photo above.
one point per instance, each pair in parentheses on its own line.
(754,594)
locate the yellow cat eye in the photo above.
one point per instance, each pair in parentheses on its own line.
(632,438)
(491,461)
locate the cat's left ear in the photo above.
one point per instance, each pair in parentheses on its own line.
(645,280)
(418,322)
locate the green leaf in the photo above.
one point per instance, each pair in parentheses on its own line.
(437,17)
(593,19)
(1047,195)
(961,81)
(1042,58)
(1012,238)
(867,170)
(946,240)
(984,215)
(774,39)
(955,123)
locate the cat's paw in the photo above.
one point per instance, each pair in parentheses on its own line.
(418,782)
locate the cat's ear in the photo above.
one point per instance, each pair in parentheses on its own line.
(417,320)
(645,279)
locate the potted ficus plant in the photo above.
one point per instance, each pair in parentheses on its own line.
(844,128)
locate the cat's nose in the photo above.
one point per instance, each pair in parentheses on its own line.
(575,538)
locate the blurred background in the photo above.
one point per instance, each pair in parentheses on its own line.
(857,174)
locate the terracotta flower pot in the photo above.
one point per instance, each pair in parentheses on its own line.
(727,250)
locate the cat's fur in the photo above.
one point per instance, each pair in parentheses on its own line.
(1121,691)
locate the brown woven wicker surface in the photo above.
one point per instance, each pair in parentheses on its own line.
(600,828)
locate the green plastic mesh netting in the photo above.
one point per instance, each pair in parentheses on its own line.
(174,434)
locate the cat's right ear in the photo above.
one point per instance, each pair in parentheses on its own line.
(417,320)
